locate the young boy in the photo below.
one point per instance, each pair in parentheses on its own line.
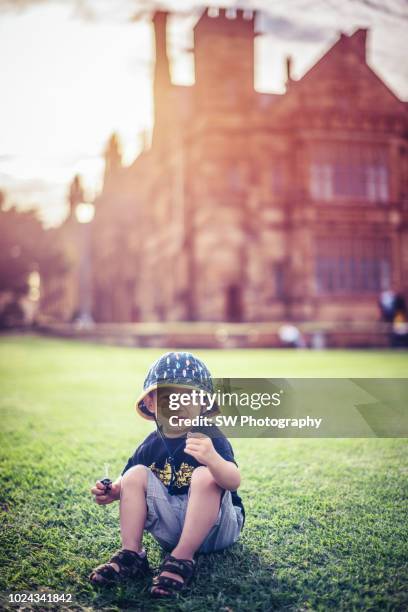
(178,485)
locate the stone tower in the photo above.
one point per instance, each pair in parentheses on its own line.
(224,58)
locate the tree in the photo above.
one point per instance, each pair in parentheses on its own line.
(25,247)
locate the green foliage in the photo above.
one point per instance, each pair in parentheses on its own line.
(26,246)
(326,519)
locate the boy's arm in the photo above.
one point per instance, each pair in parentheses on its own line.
(225,473)
(99,492)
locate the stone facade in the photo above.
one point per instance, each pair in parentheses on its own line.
(257,207)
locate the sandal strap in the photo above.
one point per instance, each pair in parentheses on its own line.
(127,559)
(169,584)
(182,567)
(129,565)
(106,571)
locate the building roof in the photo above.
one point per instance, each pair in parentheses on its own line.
(344,67)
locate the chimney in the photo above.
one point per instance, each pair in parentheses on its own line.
(162,82)
(288,69)
(161,70)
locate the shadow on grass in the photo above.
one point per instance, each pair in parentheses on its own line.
(234,579)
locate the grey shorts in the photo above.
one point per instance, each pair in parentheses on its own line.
(166,514)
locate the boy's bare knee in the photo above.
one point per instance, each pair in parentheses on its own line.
(135,476)
(202,477)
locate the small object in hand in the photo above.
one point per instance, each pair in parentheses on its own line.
(107,483)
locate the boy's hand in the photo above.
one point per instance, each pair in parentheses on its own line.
(103,497)
(225,473)
(201,448)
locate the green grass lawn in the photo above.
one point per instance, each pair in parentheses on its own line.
(326,519)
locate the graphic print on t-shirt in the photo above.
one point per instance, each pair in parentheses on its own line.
(183,474)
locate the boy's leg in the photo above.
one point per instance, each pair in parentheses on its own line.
(132,519)
(202,511)
(133,507)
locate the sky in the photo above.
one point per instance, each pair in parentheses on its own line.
(75,71)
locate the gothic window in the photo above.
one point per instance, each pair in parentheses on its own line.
(352,265)
(348,171)
(321,185)
(377,182)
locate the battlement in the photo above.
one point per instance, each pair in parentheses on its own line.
(224,57)
(231,13)
(226,21)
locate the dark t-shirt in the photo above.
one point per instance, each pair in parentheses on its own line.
(153,454)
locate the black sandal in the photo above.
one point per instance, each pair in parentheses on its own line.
(130,565)
(164,586)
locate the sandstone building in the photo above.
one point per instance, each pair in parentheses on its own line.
(257,207)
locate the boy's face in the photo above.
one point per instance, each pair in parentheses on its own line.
(158,402)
